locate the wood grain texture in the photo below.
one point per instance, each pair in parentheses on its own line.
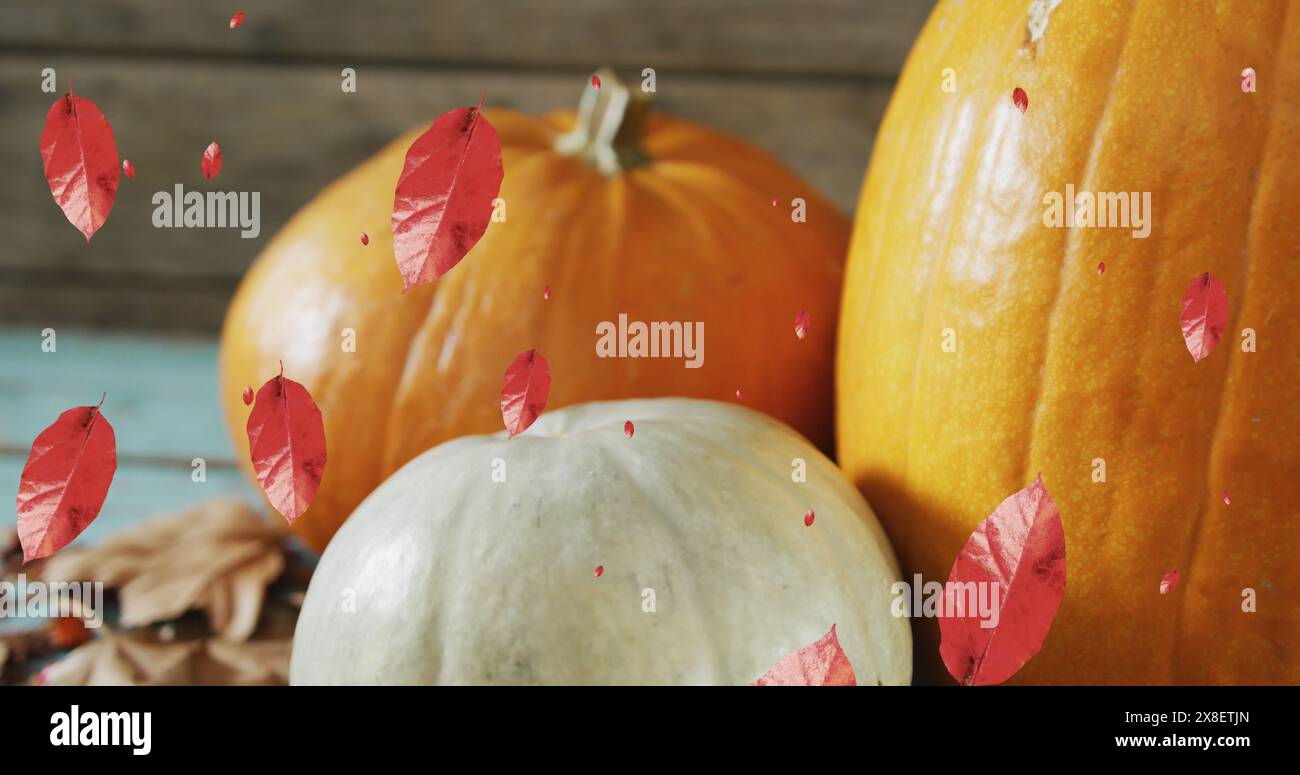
(853,38)
(286,131)
(161,393)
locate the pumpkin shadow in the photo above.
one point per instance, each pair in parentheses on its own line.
(915,527)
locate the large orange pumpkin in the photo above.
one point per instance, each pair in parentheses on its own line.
(1058,367)
(669,222)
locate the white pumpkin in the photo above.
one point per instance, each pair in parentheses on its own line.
(445,575)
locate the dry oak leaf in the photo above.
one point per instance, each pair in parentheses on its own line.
(218,557)
(137,660)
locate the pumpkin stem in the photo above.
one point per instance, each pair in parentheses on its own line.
(611,119)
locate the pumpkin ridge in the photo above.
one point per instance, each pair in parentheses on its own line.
(667,526)
(1198,524)
(571,247)
(936,280)
(383,462)
(1072,238)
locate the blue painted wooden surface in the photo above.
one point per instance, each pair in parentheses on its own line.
(162,402)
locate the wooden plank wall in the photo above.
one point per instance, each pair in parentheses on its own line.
(161,400)
(806,79)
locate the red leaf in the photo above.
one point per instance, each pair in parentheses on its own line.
(248,395)
(1205,315)
(823,663)
(128,168)
(81,162)
(523,395)
(210,166)
(365,238)
(546,293)
(1227,498)
(237,19)
(739,396)
(595,81)
(1101,268)
(808,518)
(443,201)
(1016,561)
(1168,582)
(65,480)
(1020,99)
(286,441)
(801,323)
(600,571)
(628,429)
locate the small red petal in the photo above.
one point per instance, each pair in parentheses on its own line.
(210,164)
(809,517)
(365,238)
(1227,498)
(600,570)
(237,19)
(248,395)
(128,168)
(628,429)
(1168,583)
(595,81)
(546,292)
(1101,268)
(1021,99)
(801,323)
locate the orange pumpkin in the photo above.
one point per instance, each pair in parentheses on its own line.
(1054,367)
(670,222)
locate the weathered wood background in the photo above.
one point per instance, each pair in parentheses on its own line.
(806,79)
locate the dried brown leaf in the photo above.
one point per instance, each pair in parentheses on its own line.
(137,660)
(217,557)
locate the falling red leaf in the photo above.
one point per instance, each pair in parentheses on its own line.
(1168,582)
(628,429)
(823,663)
(1227,498)
(128,168)
(286,442)
(365,238)
(595,81)
(808,518)
(1205,315)
(237,19)
(81,161)
(248,395)
(1021,99)
(443,201)
(211,162)
(546,293)
(600,571)
(1014,560)
(801,323)
(65,480)
(1101,268)
(523,395)
(739,396)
